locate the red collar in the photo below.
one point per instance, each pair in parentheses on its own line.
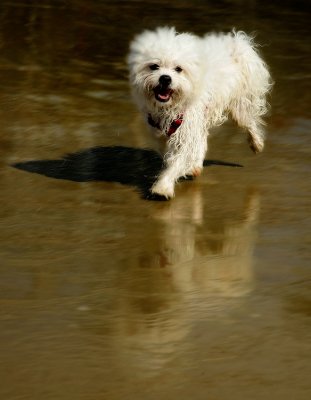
(175,124)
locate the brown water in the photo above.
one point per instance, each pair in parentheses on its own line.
(106,295)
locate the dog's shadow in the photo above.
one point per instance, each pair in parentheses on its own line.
(125,165)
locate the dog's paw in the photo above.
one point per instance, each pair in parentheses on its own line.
(191,174)
(163,188)
(155,197)
(255,144)
(195,171)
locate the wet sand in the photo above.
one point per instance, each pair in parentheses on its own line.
(107,295)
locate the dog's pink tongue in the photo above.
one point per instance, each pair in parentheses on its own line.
(165,96)
(162,94)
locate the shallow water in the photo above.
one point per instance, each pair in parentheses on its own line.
(106,295)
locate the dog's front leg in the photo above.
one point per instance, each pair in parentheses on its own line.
(165,184)
(182,160)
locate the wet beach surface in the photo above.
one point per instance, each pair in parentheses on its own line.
(107,295)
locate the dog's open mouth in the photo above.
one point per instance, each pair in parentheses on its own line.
(162,94)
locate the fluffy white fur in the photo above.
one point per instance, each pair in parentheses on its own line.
(209,78)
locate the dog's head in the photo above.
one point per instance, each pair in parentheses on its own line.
(164,67)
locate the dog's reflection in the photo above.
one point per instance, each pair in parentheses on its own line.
(200,268)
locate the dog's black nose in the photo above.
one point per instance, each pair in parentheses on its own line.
(165,80)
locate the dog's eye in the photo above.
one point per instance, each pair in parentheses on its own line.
(154,67)
(178,69)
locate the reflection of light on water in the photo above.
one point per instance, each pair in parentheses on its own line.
(105,94)
(48,98)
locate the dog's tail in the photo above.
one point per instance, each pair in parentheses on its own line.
(257,81)
(250,103)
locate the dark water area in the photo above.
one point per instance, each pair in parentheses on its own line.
(107,295)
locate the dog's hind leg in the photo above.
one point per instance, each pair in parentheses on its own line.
(249,104)
(256,137)
(246,116)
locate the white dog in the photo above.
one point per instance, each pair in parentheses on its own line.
(184,85)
